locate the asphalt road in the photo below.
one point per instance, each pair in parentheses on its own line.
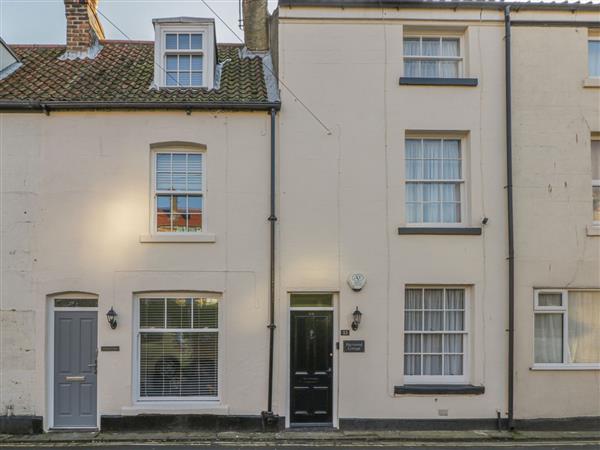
(478,445)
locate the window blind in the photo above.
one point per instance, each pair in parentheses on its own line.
(178,347)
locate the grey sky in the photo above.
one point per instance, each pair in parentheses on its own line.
(43,21)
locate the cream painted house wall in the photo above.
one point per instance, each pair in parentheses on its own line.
(554,118)
(342,196)
(75,201)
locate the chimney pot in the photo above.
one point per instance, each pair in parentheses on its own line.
(256,26)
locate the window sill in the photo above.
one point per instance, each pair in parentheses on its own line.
(565,367)
(174,407)
(176,238)
(593,230)
(469,82)
(439,389)
(591,82)
(468,231)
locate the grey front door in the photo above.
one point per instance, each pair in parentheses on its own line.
(75,335)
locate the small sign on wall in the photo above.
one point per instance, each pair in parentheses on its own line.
(110,348)
(354,346)
(345,332)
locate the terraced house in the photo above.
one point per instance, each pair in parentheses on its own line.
(371,214)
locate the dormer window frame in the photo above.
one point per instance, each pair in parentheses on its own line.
(207,52)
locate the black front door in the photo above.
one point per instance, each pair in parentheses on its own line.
(311,361)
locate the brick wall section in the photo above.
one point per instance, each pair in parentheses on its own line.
(83,26)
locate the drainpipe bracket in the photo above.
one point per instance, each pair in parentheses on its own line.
(272,219)
(271,326)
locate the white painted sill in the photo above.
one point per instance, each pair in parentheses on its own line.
(178,238)
(591,82)
(175,408)
(593,230)
(565,367)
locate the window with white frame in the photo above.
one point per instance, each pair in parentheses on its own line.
(434,181)
(184,52)
(567,327)
(435,334)
(432,57)
(177,347)
(178,191)
(184,59)
(594,56)
(596,181)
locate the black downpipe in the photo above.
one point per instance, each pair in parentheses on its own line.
(511,245)
(269,418)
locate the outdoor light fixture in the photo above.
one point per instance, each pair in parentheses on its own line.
(111,316)
(356,315)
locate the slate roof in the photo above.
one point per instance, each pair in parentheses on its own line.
(122,73)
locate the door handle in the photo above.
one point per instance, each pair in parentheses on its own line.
(75,378)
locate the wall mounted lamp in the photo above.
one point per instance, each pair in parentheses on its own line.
(111,316)
(356,317)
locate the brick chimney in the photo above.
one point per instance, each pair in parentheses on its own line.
(256,26)
(83,27)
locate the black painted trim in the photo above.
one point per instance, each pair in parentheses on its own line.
(414,81)
(469,231)
(418,424)
(439,389)
(21,424)
(183,422)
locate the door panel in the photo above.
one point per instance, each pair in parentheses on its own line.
(311,366)
(75,346)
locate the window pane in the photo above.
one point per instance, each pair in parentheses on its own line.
(429,69)
(453,343)
(196,43)
(179,313)
(196,79)
(433,321)
(431,192)
(184,63)
(171,62)
(184,41)
(584,327)
(453,365)
(179,222)
(413,213)
(550,299)
(163,162)
(448,69)
(412,365)
(413,148)
(311,300)
(450,192)
(184,79)
(194,222)
(414,299)
(172,79)
(163,223)
(450,47)
(179,162)
(432,343)
(431,47)
(194,204)
(596,203)
(171,41)
(455,298)
(452,149)
(197,63)
(178,364)
(594,58)
(432,364)
(596,159)
(411,46)
(451,213)
(180,204)
(431,213)
(455,321)
(434,299)
(194,162)
(412,343)
(179,181)
(206,313)
(163,204)
(451,169)
(413,321)
(152,313)
(194,182)
(548,338)
(411,68)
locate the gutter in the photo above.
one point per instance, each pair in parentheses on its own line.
(509,197)
(38,106)
(450,4)
(269,418)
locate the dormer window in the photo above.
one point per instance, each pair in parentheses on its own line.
(184,53)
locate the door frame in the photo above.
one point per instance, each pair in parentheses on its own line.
(50,354)
(288,341)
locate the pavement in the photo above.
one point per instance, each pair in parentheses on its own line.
(179,440)
(561,446)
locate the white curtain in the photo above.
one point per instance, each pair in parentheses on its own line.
(411,46)
(548,338)
(584,327)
